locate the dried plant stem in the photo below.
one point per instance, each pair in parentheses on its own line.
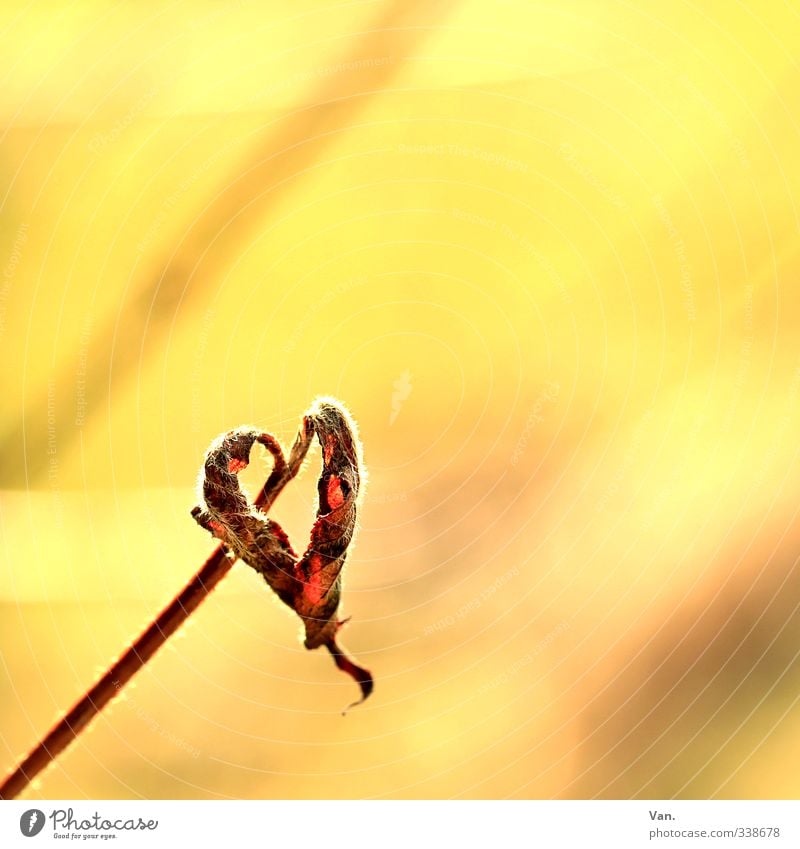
(115,678)
(156,634)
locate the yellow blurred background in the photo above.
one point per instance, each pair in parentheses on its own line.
(546,253)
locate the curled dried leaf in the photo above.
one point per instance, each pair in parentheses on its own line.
(311,584)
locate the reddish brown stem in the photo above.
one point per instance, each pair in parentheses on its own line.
(156,634)
(115,678)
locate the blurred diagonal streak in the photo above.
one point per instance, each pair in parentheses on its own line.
(285,149)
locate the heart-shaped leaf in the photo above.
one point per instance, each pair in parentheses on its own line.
(311,584)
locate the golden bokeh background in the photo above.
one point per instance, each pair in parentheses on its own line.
(546,253)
